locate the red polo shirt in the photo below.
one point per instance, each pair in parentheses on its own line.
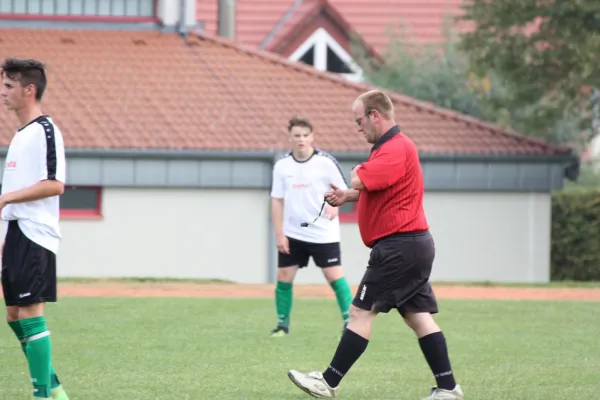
(392,200)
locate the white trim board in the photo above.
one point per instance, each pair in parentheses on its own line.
(321,39)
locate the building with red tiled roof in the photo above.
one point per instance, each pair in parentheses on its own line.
(171,140)
(318,32)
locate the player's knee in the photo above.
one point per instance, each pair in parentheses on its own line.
(286,274)
(421,323)
(333,273)
(12,314)
(360,315)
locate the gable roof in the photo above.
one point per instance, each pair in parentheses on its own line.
(260,22)
(152,90)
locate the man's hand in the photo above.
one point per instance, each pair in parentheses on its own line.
(336,196)
(283,244)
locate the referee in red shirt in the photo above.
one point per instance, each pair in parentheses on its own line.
(389,190)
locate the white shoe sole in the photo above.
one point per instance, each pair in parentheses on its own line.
(305,390)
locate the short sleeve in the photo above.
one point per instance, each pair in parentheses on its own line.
(383,170)
(52,154)
(277,186)
(335,173)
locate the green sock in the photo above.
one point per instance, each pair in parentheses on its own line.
(16,327)
(343,294)
(283,303)
(39,354)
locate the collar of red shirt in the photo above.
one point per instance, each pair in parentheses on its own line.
(393,131)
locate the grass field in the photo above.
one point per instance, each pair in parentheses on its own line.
(176,349)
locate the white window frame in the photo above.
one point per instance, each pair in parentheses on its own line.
(321,39)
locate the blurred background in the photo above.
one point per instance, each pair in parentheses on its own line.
(174,112)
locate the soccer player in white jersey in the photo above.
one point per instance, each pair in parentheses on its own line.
(300,180)
(33,180)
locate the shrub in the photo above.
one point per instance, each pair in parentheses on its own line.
(575,243)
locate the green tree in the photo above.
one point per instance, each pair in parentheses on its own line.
(425,73)
(546,53)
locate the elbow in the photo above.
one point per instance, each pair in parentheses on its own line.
(357,183)
(59,188)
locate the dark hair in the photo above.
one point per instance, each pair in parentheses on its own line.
(299,121)
(27,72)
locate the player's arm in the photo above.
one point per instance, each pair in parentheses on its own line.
(52,171)
(277,199)
(379,173)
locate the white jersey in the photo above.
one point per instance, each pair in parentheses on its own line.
(36,153)
(302,186)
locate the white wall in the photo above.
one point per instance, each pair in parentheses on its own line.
(502,237)
(171,233)
(224,234)
(169,11)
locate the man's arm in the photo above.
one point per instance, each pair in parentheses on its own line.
(380,172)
(352,195)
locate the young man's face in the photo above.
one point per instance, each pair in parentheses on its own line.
(301,138)
(13,94)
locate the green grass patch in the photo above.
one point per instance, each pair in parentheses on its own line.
(556,284)
(195,349)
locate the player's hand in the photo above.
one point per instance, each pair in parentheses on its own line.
(283,244)
(332,212)
(336,196)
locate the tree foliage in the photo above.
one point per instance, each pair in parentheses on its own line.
(425,73)
(546,53)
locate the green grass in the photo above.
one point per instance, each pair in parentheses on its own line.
(177,349)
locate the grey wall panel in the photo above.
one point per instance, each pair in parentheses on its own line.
(215,174)
(441,176)
(534,176)
(81,171)
(453,175)
(472,175)
(151,172)
(504,176)
(183,173)
(118,172)
(250,174)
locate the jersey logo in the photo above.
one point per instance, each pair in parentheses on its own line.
(10,165)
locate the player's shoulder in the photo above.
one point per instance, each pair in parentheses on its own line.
(326,156)
(44,124)
(283,160)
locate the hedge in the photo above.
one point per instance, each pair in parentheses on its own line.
(575,246)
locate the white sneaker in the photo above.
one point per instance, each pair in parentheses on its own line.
(443,394)
(312,383)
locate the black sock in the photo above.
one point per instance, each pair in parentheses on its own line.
(349,350)
(435,351)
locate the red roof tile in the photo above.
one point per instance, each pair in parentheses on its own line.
(156,90)
(422,20)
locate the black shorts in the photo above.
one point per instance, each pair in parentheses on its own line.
(398,275)
(28,270)
(323,254)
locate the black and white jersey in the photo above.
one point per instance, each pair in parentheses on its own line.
(302,186)
(36,153)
